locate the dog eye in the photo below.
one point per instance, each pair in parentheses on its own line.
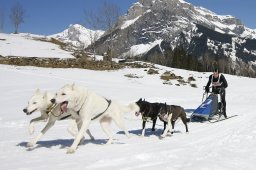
(63,94)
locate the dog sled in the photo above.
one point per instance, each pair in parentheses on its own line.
(210,110)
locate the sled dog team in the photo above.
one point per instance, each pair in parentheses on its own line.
(82,106)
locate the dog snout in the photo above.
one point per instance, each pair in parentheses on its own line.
(25,110)
(53,101)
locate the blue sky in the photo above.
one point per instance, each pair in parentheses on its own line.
(53,16)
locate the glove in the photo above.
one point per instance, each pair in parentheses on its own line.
(207,89)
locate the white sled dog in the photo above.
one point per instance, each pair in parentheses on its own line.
(40,101)
(90,106)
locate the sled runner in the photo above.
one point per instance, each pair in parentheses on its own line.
(221,119)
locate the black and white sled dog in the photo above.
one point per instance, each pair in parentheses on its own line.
(40,101)
(90,106)
(148,111)
(169,114)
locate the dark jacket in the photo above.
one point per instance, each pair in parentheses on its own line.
(221,79)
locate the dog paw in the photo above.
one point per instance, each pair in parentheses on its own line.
(162,136)
(128,135)
(71,150)
(30,144)
(141,135)
(109,142)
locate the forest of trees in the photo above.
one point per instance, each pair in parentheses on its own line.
(179,58)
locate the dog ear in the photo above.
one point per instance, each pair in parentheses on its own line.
(45,95)
(73,86)
(37,91)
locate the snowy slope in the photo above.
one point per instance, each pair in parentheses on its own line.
(78,36)
(25,45)
(226,145)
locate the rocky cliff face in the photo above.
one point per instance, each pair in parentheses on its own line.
(151,23)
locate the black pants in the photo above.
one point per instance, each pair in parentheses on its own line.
(222,93)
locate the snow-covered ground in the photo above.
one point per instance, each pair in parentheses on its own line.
(24,45)
(229,144)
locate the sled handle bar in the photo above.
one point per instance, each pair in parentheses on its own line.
(211,87)
(205,93)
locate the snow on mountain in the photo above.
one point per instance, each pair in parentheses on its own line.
(129,22)
(78,36)
(166,19)
(141,48)
(30,45)
(225,23)
(184,16)
(199,31)
(226,145)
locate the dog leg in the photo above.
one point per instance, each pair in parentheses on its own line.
(105,125)
(168,126)
(89,133)
(31,127)
(184,120)
(154,124)
(79,136)
(173,123)
(166,130)
(34,140)
(49,124)
(164,127)
(79,124)
(73,128)
(143,128)
(119,120)
(143,133)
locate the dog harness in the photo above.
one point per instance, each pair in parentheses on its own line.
(146,118)
(50,109)
(217,83)
(95,117)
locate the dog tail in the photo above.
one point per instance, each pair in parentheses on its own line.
(132,107)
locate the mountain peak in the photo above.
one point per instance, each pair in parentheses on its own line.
(168,24)
(177,10)
(77,35)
